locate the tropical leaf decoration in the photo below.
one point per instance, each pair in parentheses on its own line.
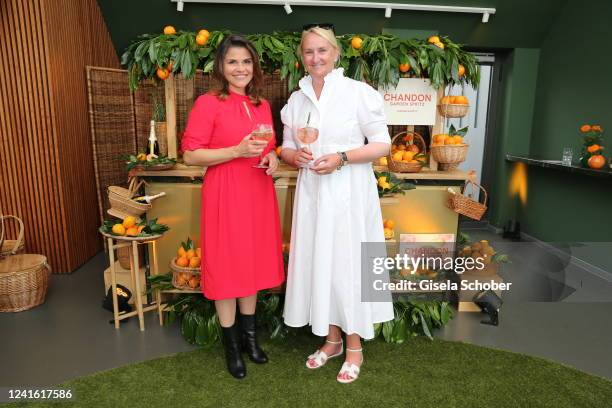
(377,61)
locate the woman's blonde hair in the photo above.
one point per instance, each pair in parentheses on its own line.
(325,34)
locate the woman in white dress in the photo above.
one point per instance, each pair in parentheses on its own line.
(336,206)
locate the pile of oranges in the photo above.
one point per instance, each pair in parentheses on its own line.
(388,226)
(454,100)
(188,258)
(128,227)
(444,139)
(406,151)
(187,279)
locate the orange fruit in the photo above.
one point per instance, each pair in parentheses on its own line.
(181,251)
(433,39)
(162,73)
(414,149)
(132,231)
(204,33)
(440,138)
(356,42)
(199,253)
(397,156)
(194,282)
(388,233)
(449,140)
(169,30)
(408,155)
(140,228)
(461,70)
(119,229)
(389,224)
(194,262)
(439,45)
(593,148)
(596,128)
(129,221)
(404,67)
(585,128)
(190,254)
(461,100)
(445,100)
(596,161)
(458,139)
(201,39)
(182,261)
(401,147)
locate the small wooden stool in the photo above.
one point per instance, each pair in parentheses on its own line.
(135,276)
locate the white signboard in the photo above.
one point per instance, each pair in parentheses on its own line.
(412,102)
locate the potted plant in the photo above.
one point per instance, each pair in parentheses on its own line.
(592,147)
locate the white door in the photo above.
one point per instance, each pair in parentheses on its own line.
(476,119)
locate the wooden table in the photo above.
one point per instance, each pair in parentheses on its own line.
(115,242)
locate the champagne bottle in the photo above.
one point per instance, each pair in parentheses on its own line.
(153,146)
(148,198)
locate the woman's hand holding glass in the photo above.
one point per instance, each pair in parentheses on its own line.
(250,147)
(326,164)
(302,157)
(270,160)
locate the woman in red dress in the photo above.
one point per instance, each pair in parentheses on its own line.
(240,227)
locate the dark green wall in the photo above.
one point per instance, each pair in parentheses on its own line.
(573,87)
(513,133)
(518,23)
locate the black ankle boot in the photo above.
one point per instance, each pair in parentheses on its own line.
(233,357)
(249,340)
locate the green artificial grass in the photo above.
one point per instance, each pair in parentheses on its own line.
(418,373)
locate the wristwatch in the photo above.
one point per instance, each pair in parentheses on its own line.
(343,160)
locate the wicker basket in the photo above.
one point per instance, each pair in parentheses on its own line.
(124,255)
(121,201)
(449,156)
(465,204)
(186,273)
(24,280)
(451,110)
(402,167)
(129,192)
(11,246)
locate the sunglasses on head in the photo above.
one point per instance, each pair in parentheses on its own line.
(325,26)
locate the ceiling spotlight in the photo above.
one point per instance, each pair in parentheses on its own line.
(179,6)
(287,8)
(388,11)
(485,18)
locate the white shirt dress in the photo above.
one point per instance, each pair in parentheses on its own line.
(334,213)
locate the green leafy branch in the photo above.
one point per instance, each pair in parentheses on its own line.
(377,61)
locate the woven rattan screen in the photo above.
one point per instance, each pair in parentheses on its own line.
(112,119)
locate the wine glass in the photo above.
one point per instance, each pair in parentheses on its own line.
(307,135)
(263,132)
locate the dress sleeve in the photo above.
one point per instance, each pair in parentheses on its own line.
(287,120)
(371,115)
(200,124)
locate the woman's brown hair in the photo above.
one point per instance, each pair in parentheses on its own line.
(253,89)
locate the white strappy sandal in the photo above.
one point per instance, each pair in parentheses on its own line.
(349,371)
(319,358)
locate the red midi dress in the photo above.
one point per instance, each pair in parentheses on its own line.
(239,219)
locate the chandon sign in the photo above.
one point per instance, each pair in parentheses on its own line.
(412,102)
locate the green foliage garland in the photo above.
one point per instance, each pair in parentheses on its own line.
(376,61)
